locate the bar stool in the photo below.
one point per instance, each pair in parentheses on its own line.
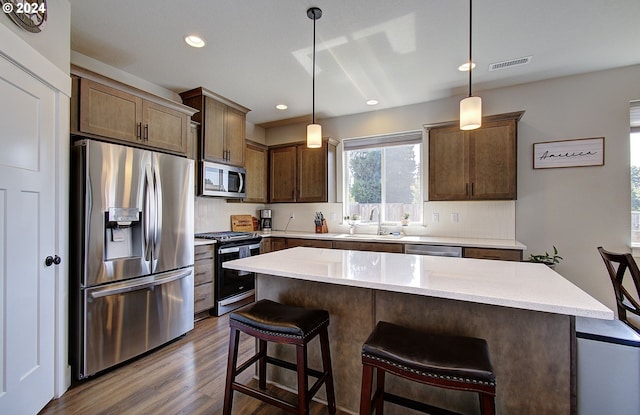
(450,362)
(269,321)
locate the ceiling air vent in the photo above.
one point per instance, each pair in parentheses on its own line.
(510,63)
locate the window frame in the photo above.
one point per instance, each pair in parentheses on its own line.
(379,141)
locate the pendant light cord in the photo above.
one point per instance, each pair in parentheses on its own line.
(470,61)
(313,82)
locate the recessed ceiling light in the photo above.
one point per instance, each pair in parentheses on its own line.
(372,102)
(281,107)
(195,41)
(465,66)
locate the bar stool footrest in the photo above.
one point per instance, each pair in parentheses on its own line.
(272,400)
(417,406)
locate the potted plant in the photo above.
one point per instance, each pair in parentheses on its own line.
(547,259)
(405,219)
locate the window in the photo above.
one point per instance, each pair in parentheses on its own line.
(383,172)
(635,173)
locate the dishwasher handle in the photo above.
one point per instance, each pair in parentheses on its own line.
(434,250)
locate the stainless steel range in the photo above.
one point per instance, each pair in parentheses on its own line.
(232,288)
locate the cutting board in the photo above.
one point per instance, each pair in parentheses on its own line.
(241,223)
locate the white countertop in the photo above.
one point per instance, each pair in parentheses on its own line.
(408,239)
(522,285)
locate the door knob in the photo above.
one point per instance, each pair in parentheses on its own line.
(51,260)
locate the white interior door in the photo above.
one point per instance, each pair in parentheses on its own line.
(27,237)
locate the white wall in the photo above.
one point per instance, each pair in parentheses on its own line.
(576,209)
(54,39)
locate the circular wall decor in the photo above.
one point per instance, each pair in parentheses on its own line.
(29,15)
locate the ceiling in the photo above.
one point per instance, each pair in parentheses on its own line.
(400,52)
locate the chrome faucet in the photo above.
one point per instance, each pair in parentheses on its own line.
(375,208)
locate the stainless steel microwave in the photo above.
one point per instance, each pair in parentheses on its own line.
(222,180)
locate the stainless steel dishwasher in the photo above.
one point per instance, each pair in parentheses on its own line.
(433,250)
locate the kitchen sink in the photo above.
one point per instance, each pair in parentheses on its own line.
(370,236)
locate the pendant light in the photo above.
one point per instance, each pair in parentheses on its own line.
(470,107)
(314,131)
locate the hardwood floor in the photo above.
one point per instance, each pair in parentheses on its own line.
(184,377)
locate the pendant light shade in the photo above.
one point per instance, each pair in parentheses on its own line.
(470,113)
(314,136)
(470,107)
(314,131)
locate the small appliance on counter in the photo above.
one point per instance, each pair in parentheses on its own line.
(265,220)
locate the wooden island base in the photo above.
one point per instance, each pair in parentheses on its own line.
(531,351)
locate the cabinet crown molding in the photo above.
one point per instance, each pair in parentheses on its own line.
(516,115)
(201,91)
(87,74)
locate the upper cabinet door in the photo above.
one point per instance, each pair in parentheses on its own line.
(492,172)
(256,163)
(234,136)
(312,174)
(448,164)
(213,131)
(165,128)
(282,174)
(109,112)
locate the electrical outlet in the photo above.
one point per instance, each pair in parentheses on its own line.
(435,217)
(454,217)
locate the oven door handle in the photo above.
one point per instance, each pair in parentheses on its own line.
(236,248)
(236,298)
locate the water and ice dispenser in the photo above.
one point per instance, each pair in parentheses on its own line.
(123,233)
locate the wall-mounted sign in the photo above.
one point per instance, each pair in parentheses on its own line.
(569,153)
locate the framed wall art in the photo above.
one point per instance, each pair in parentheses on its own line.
(579,152)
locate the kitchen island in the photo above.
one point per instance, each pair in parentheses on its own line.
(525,311)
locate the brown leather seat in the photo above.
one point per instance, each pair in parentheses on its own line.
(451,362)
(281,319)
(269,321)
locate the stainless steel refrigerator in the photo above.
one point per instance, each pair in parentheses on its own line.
(131,285)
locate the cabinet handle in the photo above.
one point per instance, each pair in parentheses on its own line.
(472,189)
(466,189)
(146,132)
(139,131)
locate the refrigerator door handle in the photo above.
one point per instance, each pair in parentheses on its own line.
(157,232)
(141,283)
(149,213)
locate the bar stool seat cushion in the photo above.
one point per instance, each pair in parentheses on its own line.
(281,319)
(456,358)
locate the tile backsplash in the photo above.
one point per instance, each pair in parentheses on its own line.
(214,214)
(477,219)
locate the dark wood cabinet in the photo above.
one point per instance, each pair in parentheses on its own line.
(272,244)
(256,161)
(204,269)
(282,174)
(492,253)
(301,174)
(110,110)
(369,246)
(311,243)
(222,126)
(474,165)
